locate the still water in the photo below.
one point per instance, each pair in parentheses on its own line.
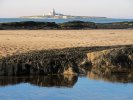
(96,20)
(66,88)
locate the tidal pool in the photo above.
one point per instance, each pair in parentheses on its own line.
(55,87)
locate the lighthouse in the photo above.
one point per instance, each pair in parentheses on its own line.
(52,12)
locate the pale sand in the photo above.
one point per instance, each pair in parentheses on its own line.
(20,41)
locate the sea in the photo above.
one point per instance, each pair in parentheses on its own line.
(66,88)
(96,20)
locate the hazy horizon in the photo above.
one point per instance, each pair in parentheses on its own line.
(101,8)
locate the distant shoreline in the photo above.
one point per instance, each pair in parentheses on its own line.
(61,16)
(54,14)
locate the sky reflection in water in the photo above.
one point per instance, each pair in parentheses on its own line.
(63,88)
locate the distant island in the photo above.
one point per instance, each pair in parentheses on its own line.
(53,14)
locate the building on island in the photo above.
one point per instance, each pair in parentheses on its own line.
(52,12)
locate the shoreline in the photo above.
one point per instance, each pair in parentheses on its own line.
(76,25)
(69,61)
(44,52)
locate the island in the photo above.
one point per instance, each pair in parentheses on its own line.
(53,14)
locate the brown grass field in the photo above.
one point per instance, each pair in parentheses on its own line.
(20,41)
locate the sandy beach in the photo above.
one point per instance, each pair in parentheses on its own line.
(20,41)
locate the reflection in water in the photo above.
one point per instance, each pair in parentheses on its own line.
(64,80)
(84,89)
(44,81)
(112,77)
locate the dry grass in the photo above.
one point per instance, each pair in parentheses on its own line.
(19,41)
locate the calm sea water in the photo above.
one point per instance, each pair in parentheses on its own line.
(65,88)
(96,20)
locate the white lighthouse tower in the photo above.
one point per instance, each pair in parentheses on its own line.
(52,12)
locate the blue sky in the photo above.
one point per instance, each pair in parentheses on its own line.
(105,8)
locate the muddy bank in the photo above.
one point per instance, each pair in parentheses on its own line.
(31,25)
(118,60)
(112,65)
(71,61)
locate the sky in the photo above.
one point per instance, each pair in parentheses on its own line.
(103,8)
